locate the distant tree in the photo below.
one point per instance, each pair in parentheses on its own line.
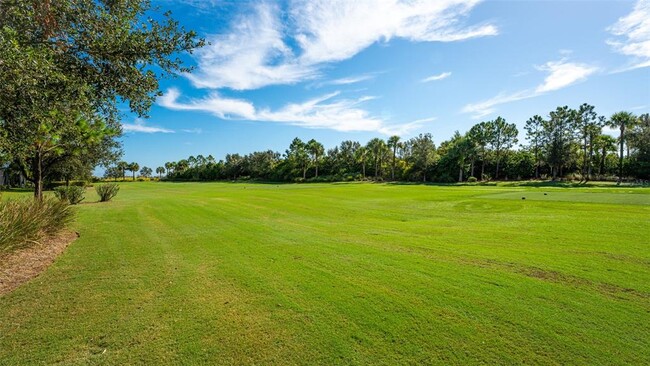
(503,137)
(639,139)
(377,149)
(482,134)
(623,121)
(133,167)
(393,144)
(588,126)
(558,136)
(534,133)
(123,166)
(112,172)
(298,156)
(170,167)
(604,144)
(316,151)
(361,155)
(423,152)
(347,155)
(160,171)
(146,172)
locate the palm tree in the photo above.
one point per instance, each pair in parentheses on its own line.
(377,148)
(160,171)
(123,166)
(133,167)
(622,121)
(393,143)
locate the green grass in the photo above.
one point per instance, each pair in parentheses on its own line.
(203,273)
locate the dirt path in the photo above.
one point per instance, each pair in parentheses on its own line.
(25,264)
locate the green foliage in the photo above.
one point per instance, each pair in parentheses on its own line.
(71,194)
(107,191)
(472,180)
(66,65)
(25,221)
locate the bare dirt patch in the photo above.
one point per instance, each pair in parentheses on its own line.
(22,265)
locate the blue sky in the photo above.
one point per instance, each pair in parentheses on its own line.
(336,70)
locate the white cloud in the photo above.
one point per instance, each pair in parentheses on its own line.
(560,75)
(633,35)
(326,111)
(487,107)
(444,75)
(138,126)
(349,80)
(251,56)
(272,46)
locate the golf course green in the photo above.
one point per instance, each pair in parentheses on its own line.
(350,273)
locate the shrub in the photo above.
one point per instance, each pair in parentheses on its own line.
(26,221)
(71,194)
(472,180)
(107,191)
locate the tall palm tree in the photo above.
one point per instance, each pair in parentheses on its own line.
(393,143)
(377,147)
(622,121)
(133,167)
(160,170)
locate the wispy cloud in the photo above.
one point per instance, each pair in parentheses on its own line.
(633,36)
(273,45)
(441,76)
(139,126)
(327,111)
(560,74)
(349,80)
(197,131)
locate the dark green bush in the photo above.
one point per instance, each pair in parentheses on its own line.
(25,221)
(107,191)
(71,194)
(472,180)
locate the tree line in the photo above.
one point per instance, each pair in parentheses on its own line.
(568,143)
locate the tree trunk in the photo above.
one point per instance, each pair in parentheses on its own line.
(134,175)
(304,172)
(38,176)
(483,164)
(584,160)
(591,158)
(460,174)
(496,176)
(620,159)
(603,155)
(472,169)
(392,171)
(363,166)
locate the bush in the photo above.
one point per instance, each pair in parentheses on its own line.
(71,194)
(26,221)
(472,180)
(107,191)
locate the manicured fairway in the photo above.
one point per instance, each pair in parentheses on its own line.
(220,273)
